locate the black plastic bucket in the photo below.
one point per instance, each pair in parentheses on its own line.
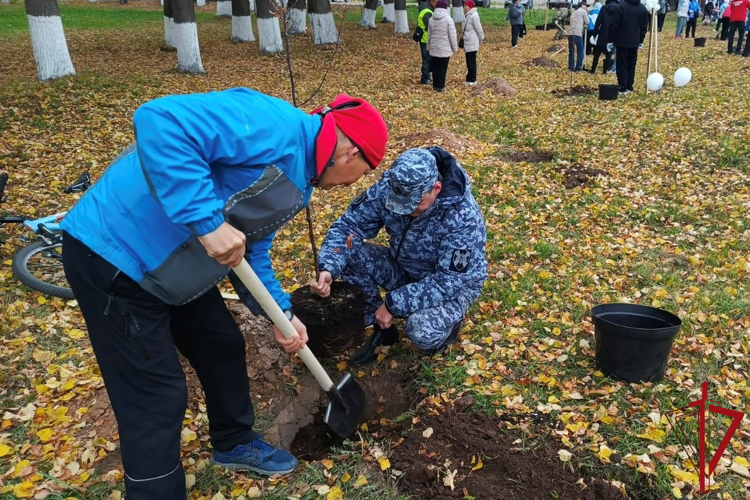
(633,341)
(699,42)
(608,92)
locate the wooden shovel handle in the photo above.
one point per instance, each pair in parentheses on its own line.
(272,309)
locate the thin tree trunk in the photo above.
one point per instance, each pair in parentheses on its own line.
(168,24)
(402,23)
(269,32)
(242,25)
(48,40)
(368,14)
(297,17)
(224,8)
(323,25)
(389,11)
(458,11)
(186,37)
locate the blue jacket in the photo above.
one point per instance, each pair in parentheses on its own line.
(442,250)
(198,160)
(694,9)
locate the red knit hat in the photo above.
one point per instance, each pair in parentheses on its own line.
(359,121)
(469,3)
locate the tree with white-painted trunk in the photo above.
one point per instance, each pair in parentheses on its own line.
(48,40)
(458,11)
(242,26)
(389,11)
(201,3)
(186,37)
(323,25)
(368,14)
(269,31)
(224,8)
(402,23)
(297,10)
(168,24)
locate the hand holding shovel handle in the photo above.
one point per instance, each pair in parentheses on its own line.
(348,398)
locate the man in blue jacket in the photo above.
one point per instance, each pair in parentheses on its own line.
(209,180)
(435,265)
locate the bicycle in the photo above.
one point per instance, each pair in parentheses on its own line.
(39,265)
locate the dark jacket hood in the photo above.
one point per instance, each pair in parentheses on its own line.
(455,180)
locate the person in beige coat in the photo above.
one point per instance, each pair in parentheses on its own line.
(579,20)
(441,43)
(473,37)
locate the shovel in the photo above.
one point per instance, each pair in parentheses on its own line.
(347,399)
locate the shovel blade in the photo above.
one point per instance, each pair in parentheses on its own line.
(346,407)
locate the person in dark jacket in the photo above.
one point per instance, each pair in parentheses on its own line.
(606,24)
(426,9)
(632,25)
(515,15)
(434,266)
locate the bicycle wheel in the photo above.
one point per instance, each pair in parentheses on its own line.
(39,266)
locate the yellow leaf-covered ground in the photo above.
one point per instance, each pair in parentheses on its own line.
(665,223)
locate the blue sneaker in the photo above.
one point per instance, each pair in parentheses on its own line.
(257,456)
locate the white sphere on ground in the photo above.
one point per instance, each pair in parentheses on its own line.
(682,77)
(655,81)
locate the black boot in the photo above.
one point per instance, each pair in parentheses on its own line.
(366,354)
(452,337)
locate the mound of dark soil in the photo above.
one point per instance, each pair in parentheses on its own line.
(574,91)
(555,48)
(533,156)
(445,465)
(541,62)
(498,86)
(453,143)
(577,174)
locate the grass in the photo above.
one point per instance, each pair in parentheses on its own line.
(95,16)
(108,16)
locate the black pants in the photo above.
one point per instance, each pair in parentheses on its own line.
(660,21)
(134,336)
(737,26)
(515,29)
(425,63)
(598,51)
(691,23)
(626,60)
(471,66)
(725,28)
(439,71)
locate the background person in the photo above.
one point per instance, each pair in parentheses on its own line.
(441,43)
(473,37)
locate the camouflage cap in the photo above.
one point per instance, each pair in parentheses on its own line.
(412,175)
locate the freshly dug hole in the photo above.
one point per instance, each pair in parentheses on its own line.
(336,324)
(390,393)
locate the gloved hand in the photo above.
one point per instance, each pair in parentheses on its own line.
(610,47)
(640,46)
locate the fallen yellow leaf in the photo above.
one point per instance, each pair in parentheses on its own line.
(335,494)
(45,435)
(384,463)
(328,464)
(4,450)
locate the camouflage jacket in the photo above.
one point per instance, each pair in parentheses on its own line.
(442,250)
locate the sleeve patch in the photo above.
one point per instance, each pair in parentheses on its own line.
(460,260)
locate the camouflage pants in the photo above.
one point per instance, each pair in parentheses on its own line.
(373,267)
